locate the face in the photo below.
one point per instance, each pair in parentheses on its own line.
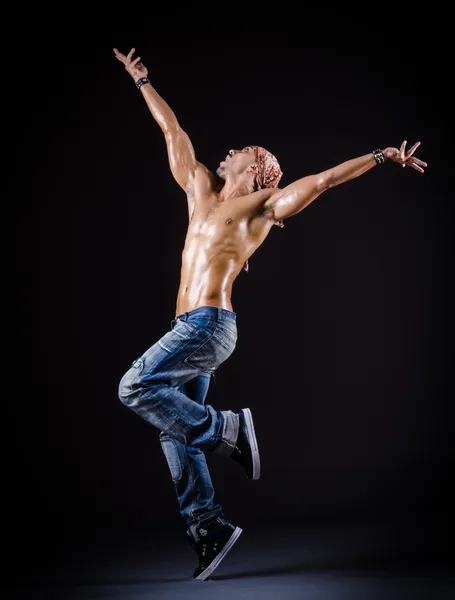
(238,162)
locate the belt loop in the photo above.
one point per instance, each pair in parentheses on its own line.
(186,317)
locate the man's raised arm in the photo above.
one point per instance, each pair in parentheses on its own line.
(295,197)
(182,159)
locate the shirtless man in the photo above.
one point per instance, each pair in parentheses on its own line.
(229,218)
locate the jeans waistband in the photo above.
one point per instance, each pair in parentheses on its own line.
(215,313)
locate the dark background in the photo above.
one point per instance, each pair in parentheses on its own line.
(344,318)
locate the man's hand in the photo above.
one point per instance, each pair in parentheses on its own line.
(405,159)
(135,68)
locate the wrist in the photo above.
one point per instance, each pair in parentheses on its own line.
(135,75)
(140,81)
(379,156)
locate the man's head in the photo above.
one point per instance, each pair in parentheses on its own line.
(253,164)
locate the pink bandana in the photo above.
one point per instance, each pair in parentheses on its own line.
(269,175)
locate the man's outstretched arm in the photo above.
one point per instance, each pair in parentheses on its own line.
(296,196)
(182,159)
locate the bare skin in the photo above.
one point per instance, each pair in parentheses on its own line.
(228,218)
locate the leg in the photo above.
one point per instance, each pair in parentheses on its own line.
(188,466)
(151,387)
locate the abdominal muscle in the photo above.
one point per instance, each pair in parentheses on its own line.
(208,272)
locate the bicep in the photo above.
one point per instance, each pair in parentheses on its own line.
(296,196)
(182,159)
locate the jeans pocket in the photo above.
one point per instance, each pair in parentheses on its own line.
(172,457)
(226,335)
(184,325)
(209,355)
(178,337)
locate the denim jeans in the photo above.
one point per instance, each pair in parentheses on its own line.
(167,387)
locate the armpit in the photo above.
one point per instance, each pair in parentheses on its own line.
(269,213)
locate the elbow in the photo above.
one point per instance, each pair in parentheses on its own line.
(169,124)
(325,181)
(170,128)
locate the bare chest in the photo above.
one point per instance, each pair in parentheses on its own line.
(217,217)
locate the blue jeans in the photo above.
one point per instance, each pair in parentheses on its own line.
(167,387)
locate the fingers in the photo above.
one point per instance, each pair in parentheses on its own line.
(413,149)
(416,167)
(119,56)
(416,164)
(126,60)
(412,161)
(406,159)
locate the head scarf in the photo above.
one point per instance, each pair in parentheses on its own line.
(269,172)
(268,175)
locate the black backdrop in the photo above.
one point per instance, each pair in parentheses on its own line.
(344,318)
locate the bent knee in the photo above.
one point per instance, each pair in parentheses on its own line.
(129,381)
(126,390)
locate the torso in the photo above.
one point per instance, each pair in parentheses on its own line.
(221,236)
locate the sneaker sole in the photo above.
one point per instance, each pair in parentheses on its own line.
(224,550)
(253,443)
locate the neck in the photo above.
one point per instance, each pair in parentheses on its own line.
(234,188)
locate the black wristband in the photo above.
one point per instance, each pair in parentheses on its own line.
(378,157)
(140,82)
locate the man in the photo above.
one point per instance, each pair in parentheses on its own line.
(229,218)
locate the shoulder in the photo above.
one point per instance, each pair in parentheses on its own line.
(204,174)
(203,180)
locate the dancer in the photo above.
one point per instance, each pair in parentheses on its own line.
(230,215)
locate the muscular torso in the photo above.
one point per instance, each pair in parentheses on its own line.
(222,235)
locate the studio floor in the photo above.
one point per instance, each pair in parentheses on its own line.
(270,561)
